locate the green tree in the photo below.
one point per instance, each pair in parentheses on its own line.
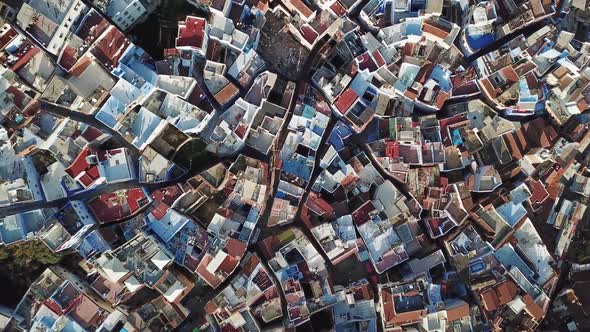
(21,265)
(26,257)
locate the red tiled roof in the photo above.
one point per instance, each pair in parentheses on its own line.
(110,48)
(160,211)
(510,74)
(112,207)
(345,100)
(431,29)
(466,89)
(235,248)
(489,300)
(540,132)
(497,296)
(392,318)
(93,26)
(80,66)
(229,264)
(18,97)
(106,207)
(171,52)
(308,33)
(458,312)
(392,149)
(227,93)
(211,279)
(533,308)
(191,32)
(361,215)
(134,196)
(441,98)
(338,9)
(86,313)
(538,192)
(582,105)
(532,81)
(86,180)
(241,130)
(24,59)
(366,62)
(378,58)
(424,72)
(463,77)
(68,57)
(167,195)
(7,37)
(91,133)
(249,265)
(410,94)
(49,303)
(408,49)
(93,172)
(487,86)
(211,307)
(79,164)
(318,205)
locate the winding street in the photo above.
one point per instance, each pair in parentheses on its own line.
(265,231)
(86,194)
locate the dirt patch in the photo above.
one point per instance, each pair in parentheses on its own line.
(281,51)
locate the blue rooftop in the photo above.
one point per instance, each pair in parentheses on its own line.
(477,266)
(442,77)
(338,135)
(414,27)
(477,42)
(298,166)
(511,212)
(168,225)
(144,126)
(109,112)
(456,136)
(11,230)
(525,92)
(508,256)
(308,112)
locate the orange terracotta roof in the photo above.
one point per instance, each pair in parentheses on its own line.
(533,308)
(499,295)
(24,59)
(235,248)
(431,29)
(458,312)
(211,307)
(227,93)
(513,146)
(510,74)
(211,279)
